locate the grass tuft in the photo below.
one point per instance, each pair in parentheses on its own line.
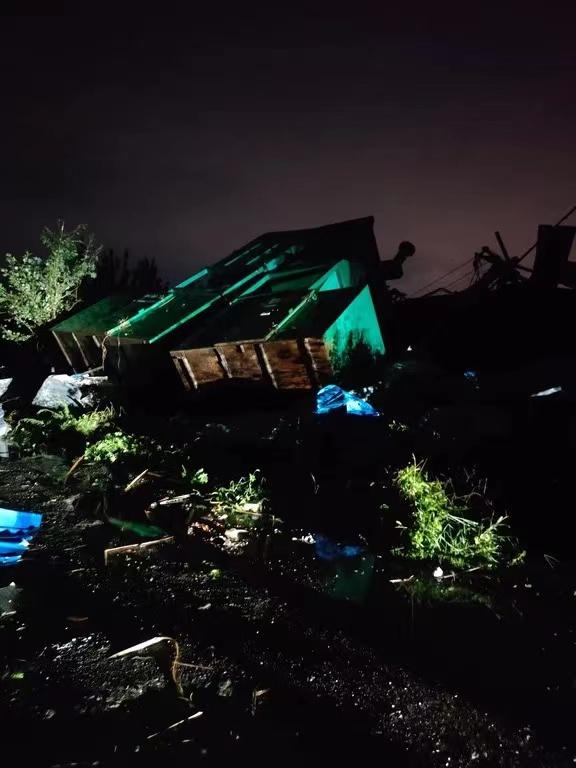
(440,529)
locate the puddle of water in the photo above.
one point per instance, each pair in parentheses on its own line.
(343,570)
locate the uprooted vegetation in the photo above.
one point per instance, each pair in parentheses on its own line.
(236,503)
(117,445)
(240,493)
(50,429)
(441,530)
(442,527)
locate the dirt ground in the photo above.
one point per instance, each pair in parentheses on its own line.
(274,651)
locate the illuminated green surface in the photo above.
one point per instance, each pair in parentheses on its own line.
(281,285)
(104,314)
(193,297)
(357,322)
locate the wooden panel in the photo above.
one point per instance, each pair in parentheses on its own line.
(70,350)
(320,361)
(288,364)
(285,363)
(240,360)
(204,364)
(184,370)
(90,350)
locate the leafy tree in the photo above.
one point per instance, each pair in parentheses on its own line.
(35,290)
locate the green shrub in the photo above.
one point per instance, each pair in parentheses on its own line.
(246,490)
(196,480)
(90,423)
(35,290)
(117,445)
(439,530)
(58,429)
(231,500)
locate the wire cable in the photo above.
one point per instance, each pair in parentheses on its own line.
(562,220)
(439,279)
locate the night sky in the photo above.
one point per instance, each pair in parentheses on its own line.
(184,138)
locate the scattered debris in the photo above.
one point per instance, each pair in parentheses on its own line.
(136,480)
(195,716)
(8,597)
(259,696)
(225,688)
(135,549)
(151,645)
(236,534)
(69,391)
(334,398)
(547,392)
(16,531)
(4,426)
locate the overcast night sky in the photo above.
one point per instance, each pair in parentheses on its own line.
(185,138)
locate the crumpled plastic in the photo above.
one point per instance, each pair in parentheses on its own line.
(4,427)
(334,398)
(16,530)
(68,391)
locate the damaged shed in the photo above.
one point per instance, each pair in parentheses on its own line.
(280,309)
(291,340)
(81,336)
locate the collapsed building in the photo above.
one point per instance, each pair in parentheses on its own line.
(284,310)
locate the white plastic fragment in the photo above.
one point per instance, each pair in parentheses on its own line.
(4,426)
(547,392)
(60,390)
(154,641)
(235,534)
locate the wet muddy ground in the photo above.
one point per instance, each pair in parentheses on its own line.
(300,640)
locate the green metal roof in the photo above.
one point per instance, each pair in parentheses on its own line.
(98,318)
(148,321)
(199,293)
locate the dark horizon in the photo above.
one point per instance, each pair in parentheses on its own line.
(183,140)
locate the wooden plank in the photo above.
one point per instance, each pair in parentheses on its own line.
(287,364)
(320,362)
(240,360)
(204,364)
(82,351)
(63,348)
(184,370)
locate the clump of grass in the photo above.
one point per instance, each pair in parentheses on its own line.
(56,428)
(88,424)
(117,445)
(196,480)
(246,490)
(440,531)
(233,501)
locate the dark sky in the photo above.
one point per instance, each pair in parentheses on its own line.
(183,138)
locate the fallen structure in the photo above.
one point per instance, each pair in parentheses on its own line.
(81,336)
(283,310)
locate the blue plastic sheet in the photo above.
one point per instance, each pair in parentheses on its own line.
(334,398)
(16,530)
(328,549)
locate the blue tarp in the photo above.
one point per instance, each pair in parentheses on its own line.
(328,549)
(16,530)
(334,398)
